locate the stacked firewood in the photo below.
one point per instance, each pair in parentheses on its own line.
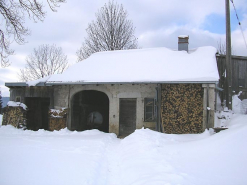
(182,108)
(15,116)
(57,123)
(57,119)
(58,113)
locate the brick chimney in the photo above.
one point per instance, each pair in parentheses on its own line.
(183,42)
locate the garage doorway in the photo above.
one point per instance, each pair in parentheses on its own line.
(127,116)
(90,110)
(37,114)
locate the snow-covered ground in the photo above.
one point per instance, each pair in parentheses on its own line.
(145,157)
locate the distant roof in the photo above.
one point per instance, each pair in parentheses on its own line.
(156,65)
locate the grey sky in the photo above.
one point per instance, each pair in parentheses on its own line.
(157,22)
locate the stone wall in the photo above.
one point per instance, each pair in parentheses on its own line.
(27,92)
(182,108)
(65,93)
(15,116)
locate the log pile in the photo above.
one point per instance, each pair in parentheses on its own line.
(15,116)
(57,119)
(61,113)
(182,108)
(57,123)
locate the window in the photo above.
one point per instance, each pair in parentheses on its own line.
(149,109)
(18,99)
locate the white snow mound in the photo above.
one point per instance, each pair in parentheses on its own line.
(16,104)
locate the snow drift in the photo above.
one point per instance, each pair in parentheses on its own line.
(145,157)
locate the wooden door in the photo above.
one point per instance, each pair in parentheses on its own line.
(37,114)
(127,116)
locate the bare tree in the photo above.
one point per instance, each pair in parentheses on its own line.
(222,48)
(111,31)
(13,14)
(44,61)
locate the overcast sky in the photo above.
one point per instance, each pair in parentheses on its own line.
(158,23)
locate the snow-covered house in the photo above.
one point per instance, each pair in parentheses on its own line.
(119,91)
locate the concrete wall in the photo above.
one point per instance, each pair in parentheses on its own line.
(61,96)
(64,94)
(34,92)
(209,100)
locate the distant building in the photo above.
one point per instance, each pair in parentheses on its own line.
(239,75)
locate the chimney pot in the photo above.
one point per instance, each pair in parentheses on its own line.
(183,43)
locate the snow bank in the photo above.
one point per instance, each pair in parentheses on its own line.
(16,104)
(50,158)
(143,65)
(223,116)
(236,103)
(145,157)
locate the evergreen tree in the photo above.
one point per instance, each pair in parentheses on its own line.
(1,102)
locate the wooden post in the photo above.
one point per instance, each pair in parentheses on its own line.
(68,112)
(158,125)
(162,123)
(228,58)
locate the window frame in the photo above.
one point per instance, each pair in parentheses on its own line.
(241,74)
(146,101)
(18,99)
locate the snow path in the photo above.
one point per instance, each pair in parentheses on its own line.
(61,157)
(113,157)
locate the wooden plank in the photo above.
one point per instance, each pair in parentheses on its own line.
(127,116)
(162,123)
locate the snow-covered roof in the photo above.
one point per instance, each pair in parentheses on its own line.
(142,65)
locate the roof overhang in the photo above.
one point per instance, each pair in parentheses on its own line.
(141,82)
(23,84)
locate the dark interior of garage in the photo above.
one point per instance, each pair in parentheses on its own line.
(37,114)
(90,110)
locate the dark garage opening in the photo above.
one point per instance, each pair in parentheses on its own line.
(90,110)
(37,114)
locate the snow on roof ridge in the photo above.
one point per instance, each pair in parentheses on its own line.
(138,65)
(128,51)
(40,80)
